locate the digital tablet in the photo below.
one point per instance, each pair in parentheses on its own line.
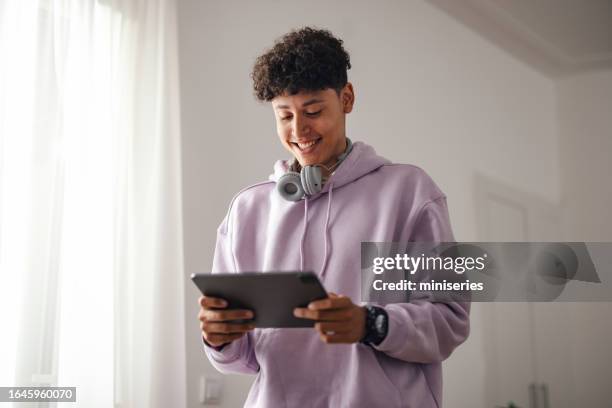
(271,296)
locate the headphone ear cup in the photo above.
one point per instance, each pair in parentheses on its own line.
(311,178)
(289,186)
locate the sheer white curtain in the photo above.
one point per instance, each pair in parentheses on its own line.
(91,282)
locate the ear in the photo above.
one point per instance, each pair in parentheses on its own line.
(348,97)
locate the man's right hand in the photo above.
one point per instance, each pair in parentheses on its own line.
(216,322)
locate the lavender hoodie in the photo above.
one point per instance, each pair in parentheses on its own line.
(367,199)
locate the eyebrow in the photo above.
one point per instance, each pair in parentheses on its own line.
(307,103)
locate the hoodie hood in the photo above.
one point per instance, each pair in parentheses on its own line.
(361,160)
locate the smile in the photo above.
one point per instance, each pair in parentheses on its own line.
(307,145)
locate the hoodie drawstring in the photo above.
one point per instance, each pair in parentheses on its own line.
(304,229)
(327,248)
(326,238)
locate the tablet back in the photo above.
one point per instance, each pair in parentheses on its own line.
(271,295)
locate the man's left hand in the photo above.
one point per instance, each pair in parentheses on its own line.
(338,319)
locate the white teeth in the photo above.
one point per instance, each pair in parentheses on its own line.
(306,145)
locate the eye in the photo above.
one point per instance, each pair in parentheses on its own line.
(313,114)
(286,118)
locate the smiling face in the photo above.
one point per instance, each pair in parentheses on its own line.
(311,125)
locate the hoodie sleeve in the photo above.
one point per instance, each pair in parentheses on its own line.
(239,355)
(425,331)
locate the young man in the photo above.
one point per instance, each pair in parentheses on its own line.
(356,356)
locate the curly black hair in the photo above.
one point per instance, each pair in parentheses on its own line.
(308,59)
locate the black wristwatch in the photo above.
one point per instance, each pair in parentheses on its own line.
(376,325)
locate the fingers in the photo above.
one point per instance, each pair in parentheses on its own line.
(334,327)
(216,340)
(337,332)
(217,328)
(323,315)
(212,302)
(217,334)
(338,319)
(212,315)
(332,302)
(333,308)
(213,309)
(216,321)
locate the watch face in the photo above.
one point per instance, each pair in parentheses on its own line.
(379,323)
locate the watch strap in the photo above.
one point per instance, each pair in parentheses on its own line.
(375,332)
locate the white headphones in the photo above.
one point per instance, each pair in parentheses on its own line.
(293,186)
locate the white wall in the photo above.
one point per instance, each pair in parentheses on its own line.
(429,92)
(585,139)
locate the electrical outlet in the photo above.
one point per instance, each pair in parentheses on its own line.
(211,389)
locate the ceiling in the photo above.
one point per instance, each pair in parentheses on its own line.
(556,37)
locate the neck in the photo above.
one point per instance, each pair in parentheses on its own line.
(333,161)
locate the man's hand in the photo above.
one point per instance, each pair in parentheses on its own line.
(338,319)
(216,321)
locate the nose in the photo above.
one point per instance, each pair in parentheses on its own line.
(299,127)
